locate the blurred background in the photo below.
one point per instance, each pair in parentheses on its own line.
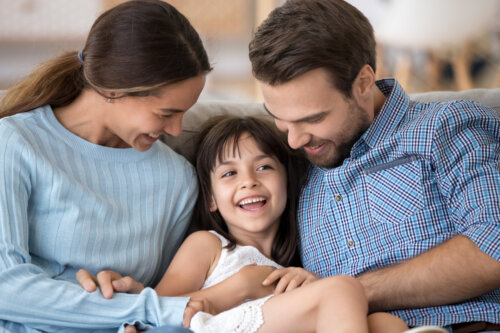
(426,44)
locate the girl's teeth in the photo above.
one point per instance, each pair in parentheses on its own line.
(249,201)
(154,136)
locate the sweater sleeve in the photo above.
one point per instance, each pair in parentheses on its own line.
(29,295)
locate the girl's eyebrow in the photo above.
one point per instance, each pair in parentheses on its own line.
(230,162)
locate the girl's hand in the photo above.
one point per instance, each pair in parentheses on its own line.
(289,279)
(251,277)
(195,305)
(109,282)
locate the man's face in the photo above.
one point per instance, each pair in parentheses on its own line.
(317,117)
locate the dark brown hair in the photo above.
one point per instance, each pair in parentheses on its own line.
(215,136)
(132,49)
(304,35)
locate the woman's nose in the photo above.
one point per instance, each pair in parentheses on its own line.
(174,126)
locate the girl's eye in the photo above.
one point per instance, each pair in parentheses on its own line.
(165,116)
(264,167)
(228,174)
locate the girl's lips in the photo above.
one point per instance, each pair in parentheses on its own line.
(252,203)
(313,150)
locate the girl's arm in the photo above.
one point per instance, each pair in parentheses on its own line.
(289,278)
(195,261)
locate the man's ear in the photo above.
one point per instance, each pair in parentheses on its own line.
(363,83)
(213,205)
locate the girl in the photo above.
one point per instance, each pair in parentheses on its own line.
(249,182)
(82,173)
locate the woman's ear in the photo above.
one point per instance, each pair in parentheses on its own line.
(213,205)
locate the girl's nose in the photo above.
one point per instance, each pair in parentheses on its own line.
(249,181)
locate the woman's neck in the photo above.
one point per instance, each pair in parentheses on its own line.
(84,118)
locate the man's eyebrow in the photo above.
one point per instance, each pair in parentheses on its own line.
(309,118)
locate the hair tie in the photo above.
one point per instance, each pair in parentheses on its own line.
(80,56)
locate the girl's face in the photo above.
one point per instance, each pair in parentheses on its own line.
(138,122)
(249,190)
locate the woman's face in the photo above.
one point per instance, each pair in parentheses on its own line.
(138,122)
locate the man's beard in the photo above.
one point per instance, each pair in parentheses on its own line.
(337,151)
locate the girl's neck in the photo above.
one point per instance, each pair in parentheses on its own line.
(262,241)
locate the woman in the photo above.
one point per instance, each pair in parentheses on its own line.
(84,181)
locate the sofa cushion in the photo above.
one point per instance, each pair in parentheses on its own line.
(203,110)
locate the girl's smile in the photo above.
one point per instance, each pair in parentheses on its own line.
(249,190)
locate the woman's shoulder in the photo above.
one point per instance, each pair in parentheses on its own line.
(174,157)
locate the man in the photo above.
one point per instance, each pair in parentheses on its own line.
(403,195)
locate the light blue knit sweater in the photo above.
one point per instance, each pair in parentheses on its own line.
(65,204)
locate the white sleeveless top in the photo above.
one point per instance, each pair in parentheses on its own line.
(245,318)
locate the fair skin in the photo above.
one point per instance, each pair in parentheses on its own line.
(319,118)
(128,121)
(249,190)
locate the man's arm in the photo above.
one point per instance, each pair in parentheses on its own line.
(451,272)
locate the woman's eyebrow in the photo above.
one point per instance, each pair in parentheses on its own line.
(171,110)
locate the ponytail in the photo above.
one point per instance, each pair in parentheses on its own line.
(133,49)
(56,82)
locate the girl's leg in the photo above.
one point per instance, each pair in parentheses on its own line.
(334,304)
(381,322)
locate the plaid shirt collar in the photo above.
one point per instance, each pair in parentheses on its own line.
(387,120)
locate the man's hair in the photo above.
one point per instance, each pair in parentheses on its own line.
(304,35)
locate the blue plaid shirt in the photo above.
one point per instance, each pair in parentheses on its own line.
(421,174)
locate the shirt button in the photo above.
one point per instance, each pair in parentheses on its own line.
(350,243)
(338,198)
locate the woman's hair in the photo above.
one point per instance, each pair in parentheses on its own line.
(222,132)
(132,49)
(304,35)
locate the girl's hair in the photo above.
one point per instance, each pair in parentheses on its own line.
(216,136)
(132,49)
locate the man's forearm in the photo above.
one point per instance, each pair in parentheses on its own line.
(451,272)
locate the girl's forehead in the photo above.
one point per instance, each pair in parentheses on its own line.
(235,148)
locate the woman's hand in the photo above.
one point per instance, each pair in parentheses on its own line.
(289,279)
(109,282)
(251,278)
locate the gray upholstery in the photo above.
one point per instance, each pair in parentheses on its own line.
(204,110)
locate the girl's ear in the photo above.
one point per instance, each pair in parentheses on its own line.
(213,205)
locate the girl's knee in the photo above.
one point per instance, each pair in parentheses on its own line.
(339,285)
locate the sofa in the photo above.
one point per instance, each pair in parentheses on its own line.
(204,109)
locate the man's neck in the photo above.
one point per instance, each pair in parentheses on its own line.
(378,100)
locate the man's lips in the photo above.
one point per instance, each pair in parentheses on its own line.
(315,149)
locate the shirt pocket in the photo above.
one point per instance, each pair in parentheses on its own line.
(395,189)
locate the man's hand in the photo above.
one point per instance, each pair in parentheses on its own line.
(195,305)
(251,278)
(109,282)
(289,278)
